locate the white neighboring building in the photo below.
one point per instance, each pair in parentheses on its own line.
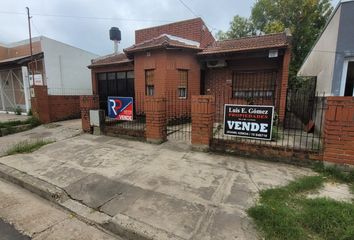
(61,67)
(331,59)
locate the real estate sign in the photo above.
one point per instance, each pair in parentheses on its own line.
(120,108)
(248,121)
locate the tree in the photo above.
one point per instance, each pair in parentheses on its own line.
(239,27)
(304,18)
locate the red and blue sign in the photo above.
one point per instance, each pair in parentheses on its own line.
(120,108)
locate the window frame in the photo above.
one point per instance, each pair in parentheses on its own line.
(147,86)
(180,85)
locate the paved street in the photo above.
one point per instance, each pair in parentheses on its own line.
(39,219)
(190,195)
(8,232)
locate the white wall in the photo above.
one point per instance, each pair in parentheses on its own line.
(321,60)
(66,68)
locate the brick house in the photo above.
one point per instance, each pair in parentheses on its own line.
(183,59)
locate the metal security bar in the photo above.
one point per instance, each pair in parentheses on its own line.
(301,129)
(178,117)
(127,127)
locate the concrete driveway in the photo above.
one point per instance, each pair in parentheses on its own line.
(189,195)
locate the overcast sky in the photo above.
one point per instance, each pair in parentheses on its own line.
(91,33)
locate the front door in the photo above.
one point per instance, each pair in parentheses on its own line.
(349,84)
(115,84)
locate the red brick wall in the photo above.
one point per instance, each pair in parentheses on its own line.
(24,50)
(3,52)
(339,130)
(190,29)
(51,108)
(166,78)
(63,107)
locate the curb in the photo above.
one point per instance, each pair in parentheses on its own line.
(119,225)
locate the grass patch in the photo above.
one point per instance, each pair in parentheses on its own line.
(27,146)
(285,213)
(34,122)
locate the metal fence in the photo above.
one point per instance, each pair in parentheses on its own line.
(69,91)
(178,117)
(126,127)
(301,128)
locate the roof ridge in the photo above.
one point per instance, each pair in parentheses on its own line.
(107,56)
(252,36)
(148,40)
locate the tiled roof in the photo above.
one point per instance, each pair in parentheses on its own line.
(164,41)
(248,43)
(111,59)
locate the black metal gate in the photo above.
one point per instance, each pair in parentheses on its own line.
(178,117)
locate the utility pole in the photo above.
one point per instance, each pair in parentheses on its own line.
(30,40)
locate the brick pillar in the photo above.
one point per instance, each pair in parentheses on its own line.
(203,111)
(40,103)
(339,130)
(284,84)
(155,110)
(87,103)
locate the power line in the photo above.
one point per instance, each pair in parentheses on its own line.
(35,27)
(190,9)
(196,14)
(88,17)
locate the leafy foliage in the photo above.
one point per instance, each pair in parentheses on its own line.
(239,27)
(304,18)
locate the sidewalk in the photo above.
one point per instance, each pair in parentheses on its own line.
(162,191)
(38,219)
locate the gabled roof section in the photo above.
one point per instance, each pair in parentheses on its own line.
(111,59)
(164,41)
(269,41)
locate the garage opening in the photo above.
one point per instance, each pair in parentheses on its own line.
(115,84)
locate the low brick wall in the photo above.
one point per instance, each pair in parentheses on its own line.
(117,131)
(52,108)
(272,153)
(339,131)
(63,107)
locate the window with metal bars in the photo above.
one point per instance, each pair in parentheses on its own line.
(149,82)
(254,84)
(183,83)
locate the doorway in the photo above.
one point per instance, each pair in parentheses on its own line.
(114,84)
(349,84)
